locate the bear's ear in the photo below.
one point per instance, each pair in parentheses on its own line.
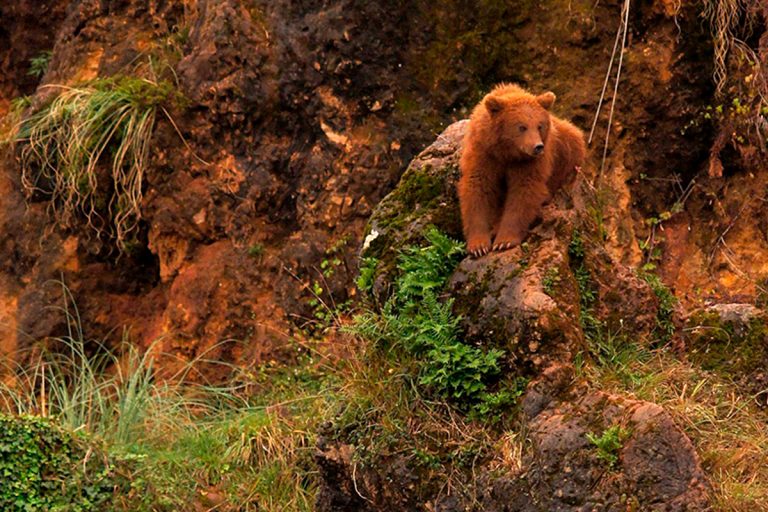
(494,105)
(546,100)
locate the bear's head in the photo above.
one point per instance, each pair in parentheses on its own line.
(520,123)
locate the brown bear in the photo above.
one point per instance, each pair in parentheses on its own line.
(516,155)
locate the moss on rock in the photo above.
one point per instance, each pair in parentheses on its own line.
(728,338)
(426,196)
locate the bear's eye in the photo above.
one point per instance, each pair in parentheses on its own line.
(522,128)
(541,127)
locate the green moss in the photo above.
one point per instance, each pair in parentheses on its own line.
(469,40)
(417,188)
(406,104)
(256,250)
(424,197)
(726,348)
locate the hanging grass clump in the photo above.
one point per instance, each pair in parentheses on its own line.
(88,151)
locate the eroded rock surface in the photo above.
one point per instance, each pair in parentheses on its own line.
(288,136)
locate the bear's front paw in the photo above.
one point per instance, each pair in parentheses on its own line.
(480,246)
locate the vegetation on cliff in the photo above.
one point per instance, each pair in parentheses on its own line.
(106,122)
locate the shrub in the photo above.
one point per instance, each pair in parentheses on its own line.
(43,467)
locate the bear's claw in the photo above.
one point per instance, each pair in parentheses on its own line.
(504,246)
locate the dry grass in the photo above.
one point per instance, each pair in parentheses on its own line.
(390,414)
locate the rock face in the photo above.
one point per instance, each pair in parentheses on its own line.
(537,302)
(290,134)
(505,303)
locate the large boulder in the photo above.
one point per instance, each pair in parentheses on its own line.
(653,466)
(543,303)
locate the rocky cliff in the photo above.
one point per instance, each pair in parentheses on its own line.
(294,136)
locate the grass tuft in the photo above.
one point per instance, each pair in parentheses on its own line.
(724,17)
(105,123)
(179,445)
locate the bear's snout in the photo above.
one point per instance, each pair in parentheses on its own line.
(538,149)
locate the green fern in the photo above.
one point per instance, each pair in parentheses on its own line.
(426,270)
(38,64)
(367,274)
(416,321)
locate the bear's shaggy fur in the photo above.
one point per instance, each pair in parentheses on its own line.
(516,155)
